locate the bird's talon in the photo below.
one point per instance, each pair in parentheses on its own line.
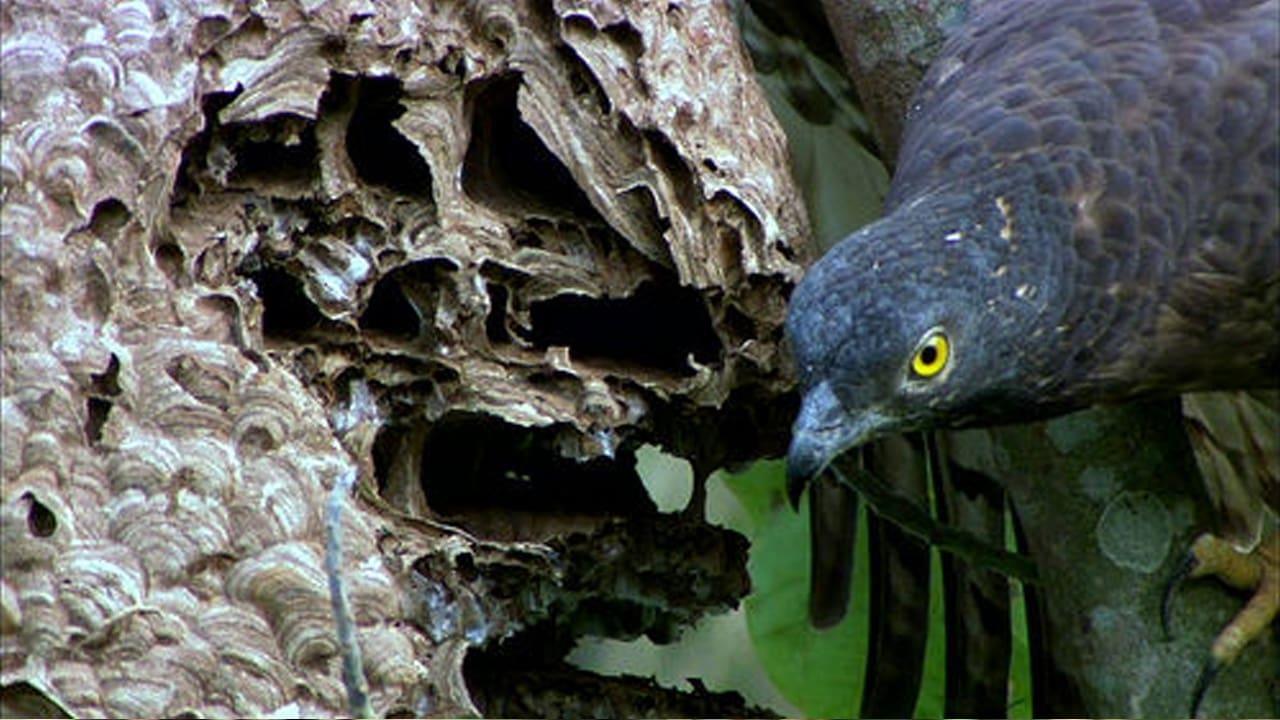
(1207,676)
(1184,570)
(1257,572)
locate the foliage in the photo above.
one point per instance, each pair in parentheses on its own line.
(823,671)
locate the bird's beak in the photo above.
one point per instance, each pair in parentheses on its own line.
(823,430)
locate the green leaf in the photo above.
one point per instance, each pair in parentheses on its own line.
(933,681)
(843,184)
(759,489)
(819,671)
(1020,662)
(667,478)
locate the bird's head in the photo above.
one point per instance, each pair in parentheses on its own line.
(922,319)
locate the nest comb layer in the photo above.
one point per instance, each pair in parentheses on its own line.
(474,253)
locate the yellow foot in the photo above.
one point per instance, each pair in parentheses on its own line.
(1258,571)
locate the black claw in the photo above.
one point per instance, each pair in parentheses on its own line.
(1206,678)
(1175,581)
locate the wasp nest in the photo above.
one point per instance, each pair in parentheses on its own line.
(474,253)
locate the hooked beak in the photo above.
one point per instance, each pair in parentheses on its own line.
(822,431)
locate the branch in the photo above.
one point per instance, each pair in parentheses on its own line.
(352,667)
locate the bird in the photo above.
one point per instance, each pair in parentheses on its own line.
(1084,212)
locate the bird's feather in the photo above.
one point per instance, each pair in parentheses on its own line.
(1236,438)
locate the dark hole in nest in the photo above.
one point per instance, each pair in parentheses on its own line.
(495,324)
(507,166)
(108,217)
(97,410)
(280,149)
(390,312)
(41,522)
(107,382)
(581,80)
(474,462)
(491,673)
(658,326)
(405,299)
(668,159)
(104,385)
(193,169)
(286,309)
(625,36)
(526,677)
(380,153)
(170,259)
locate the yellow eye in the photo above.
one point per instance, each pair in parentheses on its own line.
(932,355)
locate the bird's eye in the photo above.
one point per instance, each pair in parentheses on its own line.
(932,355)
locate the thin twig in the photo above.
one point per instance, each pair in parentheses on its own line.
(352,666)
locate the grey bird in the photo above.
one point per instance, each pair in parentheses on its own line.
(1084,211)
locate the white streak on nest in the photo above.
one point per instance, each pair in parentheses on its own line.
(1006,211)
(953,237)
(524,413)
(360,408)
(298,558)
(338,284)
(477,631)
(158,449)
(442,613)
(107,580)
(917,201)
(1025,291)
(608,441)
(142,92)
(281,500)
(290,711)
(75,338)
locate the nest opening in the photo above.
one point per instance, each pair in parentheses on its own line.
(277,151)
(404,300)
(287,312)
(103,387)
(659,326)
(495,323)
(508,167)
(474,462)
(381,155)
(501,480)
(109,216)
(96,411)
(41,522)
(389,312)
(193,172)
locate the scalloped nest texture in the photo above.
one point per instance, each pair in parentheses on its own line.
(165,467)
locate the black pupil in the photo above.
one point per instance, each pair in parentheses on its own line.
(928,355)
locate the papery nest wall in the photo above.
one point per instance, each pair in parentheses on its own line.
(474,253)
